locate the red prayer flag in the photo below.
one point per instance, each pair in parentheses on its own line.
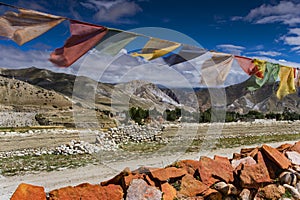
(84,36)
(247,65)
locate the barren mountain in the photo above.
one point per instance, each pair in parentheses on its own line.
(41,89)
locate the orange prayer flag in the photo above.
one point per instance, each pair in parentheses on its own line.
(84,36)
(26,25)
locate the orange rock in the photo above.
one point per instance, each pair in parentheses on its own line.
(87,191)
(130,177)
(245,151)
(252,176)
(296,147)
(149,180)
(236,156)
(29,192)
(169,192)
(167,173)
(66,193)
(191,187)
(212,171)
(212,194)
(284,147)
(195,198)
(117,180)
(271,191)
(188,165)
(278,158)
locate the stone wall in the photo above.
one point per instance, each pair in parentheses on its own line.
(17,119)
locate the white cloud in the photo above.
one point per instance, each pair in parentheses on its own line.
(266,53)
(286,12)
(15,58)
(113,11)
(292,38)
(232,49)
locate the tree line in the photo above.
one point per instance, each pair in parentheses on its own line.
(141,116)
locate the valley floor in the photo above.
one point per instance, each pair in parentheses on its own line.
(226,139)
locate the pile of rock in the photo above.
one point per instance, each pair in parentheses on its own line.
(132,133)
(254,173)
(77,147)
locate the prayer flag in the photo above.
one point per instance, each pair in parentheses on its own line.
(186,53)
(260,67)
(26,25)
(287,83)
(156,48)
(84,36)
(270,76)
(214,71)
(114,41)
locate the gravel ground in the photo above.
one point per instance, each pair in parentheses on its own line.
(104,169)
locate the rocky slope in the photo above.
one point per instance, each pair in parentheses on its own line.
(239,99)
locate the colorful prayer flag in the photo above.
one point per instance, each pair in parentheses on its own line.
(186,53)
(246,64)
(84,36)
(114,41)
(287,83)
(215,70)
(156,48)
(270,76)
(260,67)
(26,25)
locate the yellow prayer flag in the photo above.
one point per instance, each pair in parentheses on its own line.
(287,84)
(156,48)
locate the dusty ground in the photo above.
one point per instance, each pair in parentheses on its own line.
(106,169)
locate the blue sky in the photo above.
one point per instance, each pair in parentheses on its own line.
(265,29)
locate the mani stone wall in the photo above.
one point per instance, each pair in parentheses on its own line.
(17,119)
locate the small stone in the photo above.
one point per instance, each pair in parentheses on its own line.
(288,177)
(295,193)
(222,187)
(212,194)
(139,189)
(293,156)
(245,194)
(246,161)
